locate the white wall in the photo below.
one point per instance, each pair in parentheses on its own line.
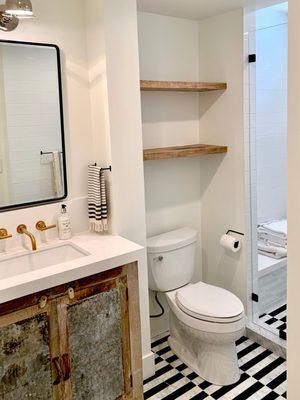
(222,177)
(96,56)
(125,130)
(293,201)
(169,50)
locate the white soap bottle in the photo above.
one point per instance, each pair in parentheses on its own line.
(64,224)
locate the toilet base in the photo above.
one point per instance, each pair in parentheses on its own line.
(211,355)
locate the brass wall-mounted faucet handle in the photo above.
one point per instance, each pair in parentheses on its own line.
(22,230)
(41,226)
(4,234)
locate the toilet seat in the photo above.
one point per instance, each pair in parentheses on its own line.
(209,303)
(202,324)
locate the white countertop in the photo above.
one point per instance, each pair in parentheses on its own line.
(105,252)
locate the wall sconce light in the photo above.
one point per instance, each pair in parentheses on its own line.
(19,8)
(8,22)
(12,11)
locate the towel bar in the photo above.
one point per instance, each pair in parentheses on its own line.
(106,169)
(102,169)
(43,153)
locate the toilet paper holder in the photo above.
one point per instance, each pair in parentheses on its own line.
(232,231)
(230,242)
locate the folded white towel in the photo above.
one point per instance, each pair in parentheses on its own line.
(277,228)
(273,233)
(97,202)
(272,240)
(271,251)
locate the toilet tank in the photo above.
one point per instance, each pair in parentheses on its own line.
(171,259)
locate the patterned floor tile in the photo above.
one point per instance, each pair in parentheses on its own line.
(276,320)
(263,375)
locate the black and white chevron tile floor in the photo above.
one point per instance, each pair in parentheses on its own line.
(263,376)
(276,320)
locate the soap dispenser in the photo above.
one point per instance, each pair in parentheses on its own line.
(64,224)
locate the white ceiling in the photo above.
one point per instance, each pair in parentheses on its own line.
(198,9)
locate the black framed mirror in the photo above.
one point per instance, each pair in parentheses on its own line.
(32,140)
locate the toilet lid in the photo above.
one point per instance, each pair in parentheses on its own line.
(210,303)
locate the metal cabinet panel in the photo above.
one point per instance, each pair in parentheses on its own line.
(25,362)
(95,344)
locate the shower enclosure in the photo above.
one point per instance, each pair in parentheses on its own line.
(267,105)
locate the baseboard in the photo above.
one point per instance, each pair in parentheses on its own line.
(148,365)
(267,340)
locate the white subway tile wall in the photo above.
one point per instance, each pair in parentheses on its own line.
(269,98)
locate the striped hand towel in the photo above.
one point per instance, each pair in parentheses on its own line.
(97,199)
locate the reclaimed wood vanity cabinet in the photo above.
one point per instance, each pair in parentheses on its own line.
(78,341)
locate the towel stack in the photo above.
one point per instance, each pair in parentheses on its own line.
(272,239)
(97,199)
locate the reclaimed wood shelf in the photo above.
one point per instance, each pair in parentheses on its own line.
(176,86)
(194,150)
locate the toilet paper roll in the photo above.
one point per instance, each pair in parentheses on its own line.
(231,243)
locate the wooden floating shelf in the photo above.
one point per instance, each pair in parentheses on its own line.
(174,86)
(193,150)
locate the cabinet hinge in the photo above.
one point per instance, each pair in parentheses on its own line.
(252,58)
(131,380)
(254,297)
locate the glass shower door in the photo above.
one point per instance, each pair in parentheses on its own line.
(268,158)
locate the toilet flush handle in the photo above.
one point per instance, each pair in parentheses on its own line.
(159,258)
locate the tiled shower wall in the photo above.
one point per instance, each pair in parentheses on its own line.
(268,111)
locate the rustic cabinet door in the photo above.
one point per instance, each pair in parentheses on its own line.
(25,361)
(98,343)
(74,342)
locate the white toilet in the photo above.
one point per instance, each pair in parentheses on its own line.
(205,320)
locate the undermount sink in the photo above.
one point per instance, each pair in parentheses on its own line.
(25,262)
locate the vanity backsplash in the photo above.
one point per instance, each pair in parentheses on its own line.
(77,208)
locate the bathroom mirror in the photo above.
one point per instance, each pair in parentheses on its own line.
(32,148)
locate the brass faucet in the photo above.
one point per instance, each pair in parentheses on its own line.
(4,234)
(42,227)
(22,229)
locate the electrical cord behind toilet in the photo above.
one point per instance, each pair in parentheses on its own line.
(160,306)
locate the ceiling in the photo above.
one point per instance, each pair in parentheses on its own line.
(198,9)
